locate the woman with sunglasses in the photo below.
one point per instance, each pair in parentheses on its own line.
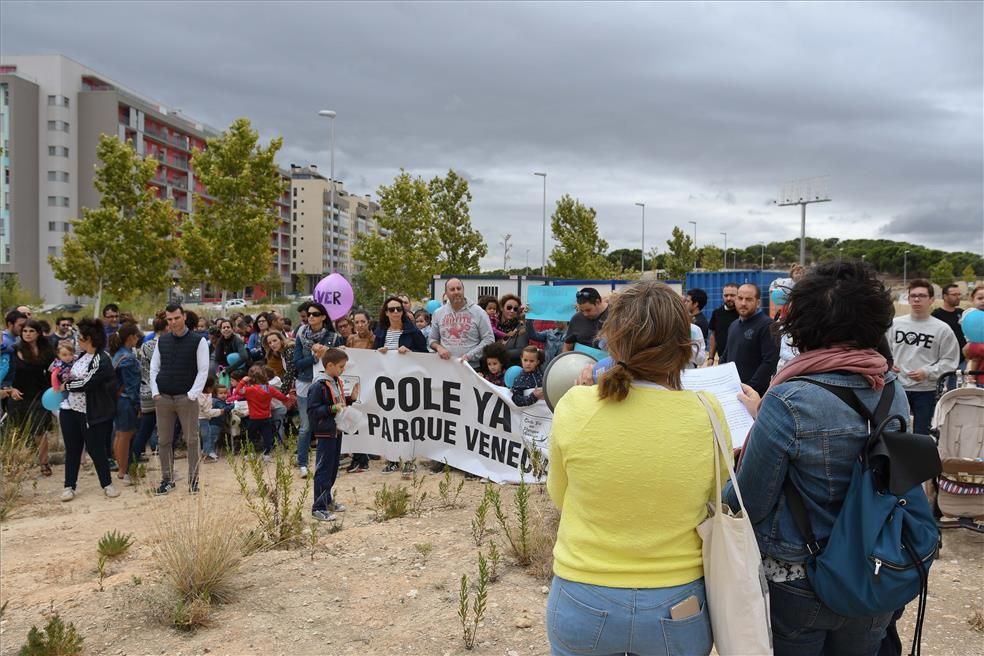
(313,339)
(513,324)
(397,331)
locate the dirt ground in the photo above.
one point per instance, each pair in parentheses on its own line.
(371,588)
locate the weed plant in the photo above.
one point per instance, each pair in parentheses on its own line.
(17,455)
(471,614)
(494,559)
(270,497)
(113,544)
(447,490)
(519,535)
(56,639)
(391,502)
(479,525)
(101,571)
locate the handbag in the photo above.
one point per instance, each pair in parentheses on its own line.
(734,579)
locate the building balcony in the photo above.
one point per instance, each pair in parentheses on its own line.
(169,139)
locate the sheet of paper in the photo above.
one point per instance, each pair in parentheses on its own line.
(549,303)
(724,383)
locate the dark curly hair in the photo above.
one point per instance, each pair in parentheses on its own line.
(838,303)
(93,330)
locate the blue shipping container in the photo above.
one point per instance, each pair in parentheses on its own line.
(713,281)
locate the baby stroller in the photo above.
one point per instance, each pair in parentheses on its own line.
(958,426)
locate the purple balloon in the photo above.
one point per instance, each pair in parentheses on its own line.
(335,293)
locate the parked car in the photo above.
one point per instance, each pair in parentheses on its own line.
(236,302)
(66,307)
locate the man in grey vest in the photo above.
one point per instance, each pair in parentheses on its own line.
(178,370)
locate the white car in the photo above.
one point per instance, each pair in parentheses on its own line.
(236,302)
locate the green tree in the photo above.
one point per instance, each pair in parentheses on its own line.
(681,256)
(462,246)
(941,273)
(968,274)
(225,241)
(711,258)
(126,246)
(581,251)
(409,256)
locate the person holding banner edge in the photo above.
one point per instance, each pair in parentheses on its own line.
(459,328)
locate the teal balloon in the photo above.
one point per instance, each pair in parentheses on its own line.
(51,399)
(973,326)
(433,306)
(233,359)
(512,373)
(780,295)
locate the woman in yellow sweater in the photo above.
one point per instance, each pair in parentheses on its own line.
(631,470)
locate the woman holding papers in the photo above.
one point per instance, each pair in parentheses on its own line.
(838,314)
(631,470)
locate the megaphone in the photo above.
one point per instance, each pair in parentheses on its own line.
(562,374)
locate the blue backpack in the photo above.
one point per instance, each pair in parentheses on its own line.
(885,538)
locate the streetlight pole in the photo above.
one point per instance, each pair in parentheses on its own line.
(527,261)
(543,254)
(762,263)
(905,269)
(642,270)
(725,249)
(331,180)
(695,243)
(802,193)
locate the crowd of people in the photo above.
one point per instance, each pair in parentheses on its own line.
(627,554)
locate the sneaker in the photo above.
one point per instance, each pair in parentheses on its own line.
(334,506)
(164,487)
(304,471)
(323,516)
(142,458)
(267,458)
(373,456)
(213,457)
(409,468)
(356,468)
(111,491)
(46,470)
(127,481)
(193,488)
(113,465)
(68,494)
(391,467)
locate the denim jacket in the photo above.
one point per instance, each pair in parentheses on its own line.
(808,433)
(128,373)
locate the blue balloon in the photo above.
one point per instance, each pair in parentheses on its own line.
(433,306)
(779,295)
(233,359)
(973,326)
(603,365)
(512,373)
(51,399)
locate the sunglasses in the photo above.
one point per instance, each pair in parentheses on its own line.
(581,297)
(315,314)
(395,308)
(511,308)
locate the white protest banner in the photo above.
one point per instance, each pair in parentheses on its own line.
(417,405)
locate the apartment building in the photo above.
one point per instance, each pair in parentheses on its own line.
(52,112)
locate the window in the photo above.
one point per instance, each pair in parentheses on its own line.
(52,226)
(57,201)
(53,251)
(295,204)
(58,126)
(57,101)
(66,227)
(57,176)
(58,151)
(294,190)
(488,290)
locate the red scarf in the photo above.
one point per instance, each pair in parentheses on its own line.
(867,362)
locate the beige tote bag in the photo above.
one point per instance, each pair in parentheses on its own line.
(737,593)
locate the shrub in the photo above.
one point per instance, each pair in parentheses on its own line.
(199,552)
(447,490)
(271,498)
(113,544)
(471,618)
(56,639)
(519,535)
(390,502)
(16,461)
(479,527)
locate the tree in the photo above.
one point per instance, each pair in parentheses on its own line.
(681,256)
(225,242)
(941,273)
(408,257)
(968,274)
(711,258)
(462,246)
(581,251)
(126,246)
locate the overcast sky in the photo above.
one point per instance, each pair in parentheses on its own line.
(699,110)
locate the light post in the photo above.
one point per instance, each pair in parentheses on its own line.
(905,269)
(762,262)
(862,257)
(695,243)
(331,179)
(543,255)
(642,270)
(527,261)
(725,249)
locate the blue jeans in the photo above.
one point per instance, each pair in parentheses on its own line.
(326,470)
(803,626)
(303,432)
(279,416)
(146,432)
(593,620)
(921,405)
(209,435)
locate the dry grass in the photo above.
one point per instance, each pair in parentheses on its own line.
(17,455)
(976,620)
(543,536)
(198,551)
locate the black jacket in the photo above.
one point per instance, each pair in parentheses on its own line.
(411,337)
(100,385)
